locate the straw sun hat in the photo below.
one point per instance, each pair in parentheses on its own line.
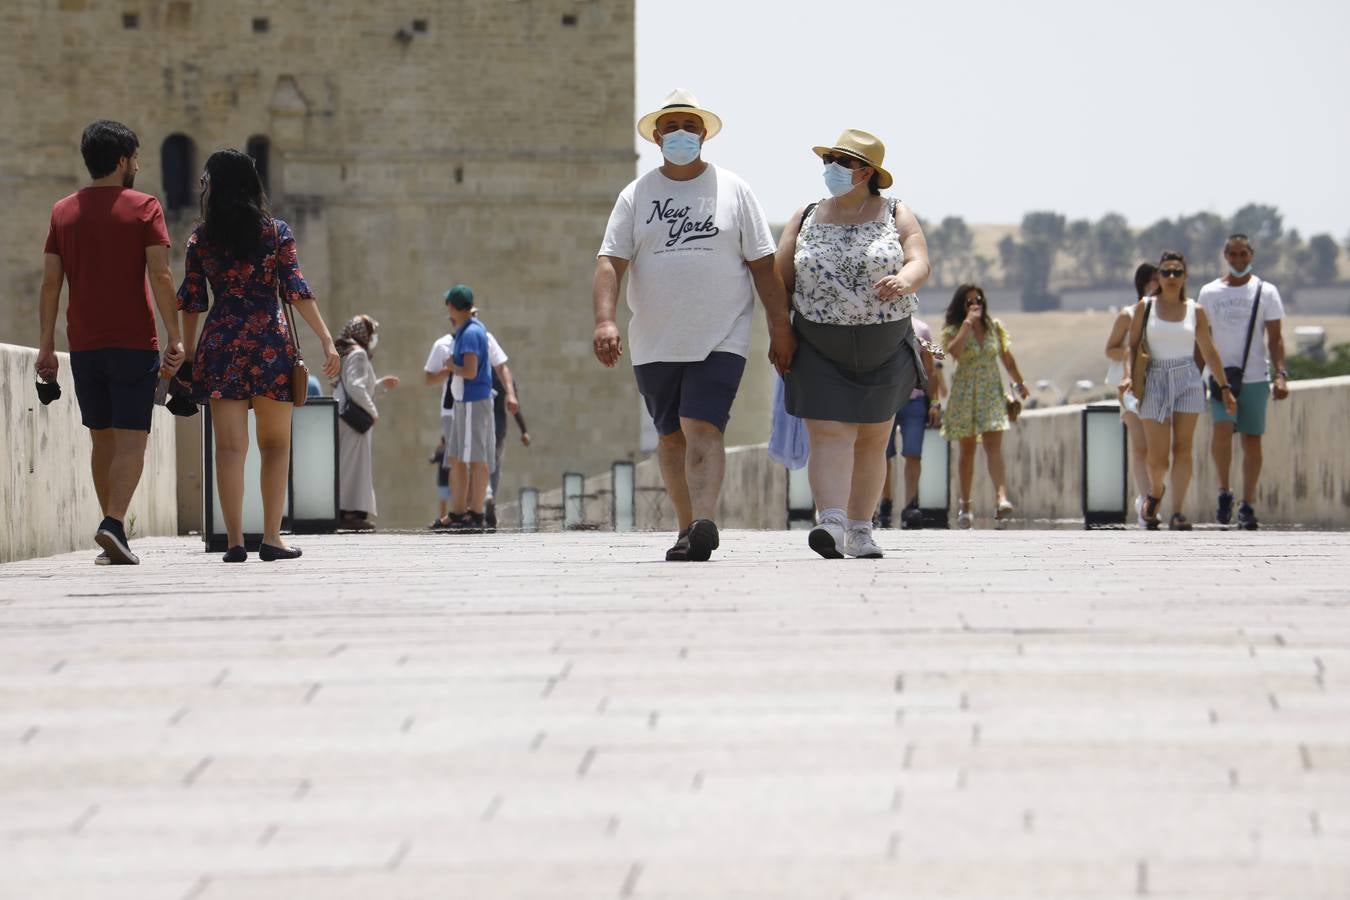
(680,100)
(861,146)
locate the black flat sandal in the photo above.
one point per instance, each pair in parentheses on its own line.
(268,553)
(1179,522)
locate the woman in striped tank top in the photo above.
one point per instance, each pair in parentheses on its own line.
(1173,327)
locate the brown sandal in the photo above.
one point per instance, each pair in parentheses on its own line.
(1151,504)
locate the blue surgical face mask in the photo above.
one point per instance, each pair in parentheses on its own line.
(838,180)
(680,148)
(1240,273)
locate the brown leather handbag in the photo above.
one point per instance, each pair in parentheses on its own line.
(1139,368)
(299,371)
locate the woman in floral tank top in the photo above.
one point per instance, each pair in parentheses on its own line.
(851,263)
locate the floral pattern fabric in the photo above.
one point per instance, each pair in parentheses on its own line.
(976,404)
(836,266)
(244,350)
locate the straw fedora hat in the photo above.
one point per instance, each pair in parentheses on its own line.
(863,146)
(680,100)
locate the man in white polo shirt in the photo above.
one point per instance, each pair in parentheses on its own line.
(1241,307)
(696,247)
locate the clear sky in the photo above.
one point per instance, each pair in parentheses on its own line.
(989,109)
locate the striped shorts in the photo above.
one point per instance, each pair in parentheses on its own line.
(1173,386)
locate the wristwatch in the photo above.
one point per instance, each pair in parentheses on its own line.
(1283,373)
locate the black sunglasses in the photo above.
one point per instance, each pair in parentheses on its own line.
(848,162)
(1171,273)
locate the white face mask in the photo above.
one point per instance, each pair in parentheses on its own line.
(1242,273)
(374,341)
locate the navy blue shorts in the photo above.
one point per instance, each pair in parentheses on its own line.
(701,390)
(912,419)
(115,387)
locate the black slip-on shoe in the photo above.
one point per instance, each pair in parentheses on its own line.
(113,539)
(1224,513)
(268,553)
(703,540)
(679,552)
(234,555)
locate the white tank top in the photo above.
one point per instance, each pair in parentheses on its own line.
(1171,340)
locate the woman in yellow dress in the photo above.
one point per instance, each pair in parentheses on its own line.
(977,410)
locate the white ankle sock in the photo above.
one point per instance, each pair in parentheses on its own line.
(832,514)
(858,524)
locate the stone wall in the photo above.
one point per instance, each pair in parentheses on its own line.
(412,145)
(1305,480)
(47,501)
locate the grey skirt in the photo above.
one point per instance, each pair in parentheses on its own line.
(852,373)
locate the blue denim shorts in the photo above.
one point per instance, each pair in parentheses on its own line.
(912,419)
(702,390)
(115,387)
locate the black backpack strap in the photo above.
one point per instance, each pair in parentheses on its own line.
(806,214)
(1251,324)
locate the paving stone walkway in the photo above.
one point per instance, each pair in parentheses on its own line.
(395,717)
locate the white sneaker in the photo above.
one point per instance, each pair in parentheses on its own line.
(1139,511)
(826,538)
(860,545)
(964,519)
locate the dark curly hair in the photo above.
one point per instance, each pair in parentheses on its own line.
(956,310)
(234,204)
(1175,256)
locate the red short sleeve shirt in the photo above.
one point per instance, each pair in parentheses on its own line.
(101,234)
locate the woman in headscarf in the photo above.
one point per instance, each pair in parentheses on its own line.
(358,385)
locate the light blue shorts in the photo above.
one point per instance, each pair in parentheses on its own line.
(1251,409)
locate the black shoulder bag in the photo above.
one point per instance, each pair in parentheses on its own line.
(354,414)
(1234,373)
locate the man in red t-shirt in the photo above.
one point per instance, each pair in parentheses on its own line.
(104,239)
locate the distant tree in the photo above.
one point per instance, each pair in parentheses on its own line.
(1031,259)
(1265,226)
(1161,235)
(1201,237)
(1116,255)
(957,242)
(1317,260)
(1082,248)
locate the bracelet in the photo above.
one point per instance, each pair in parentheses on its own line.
(1223,388)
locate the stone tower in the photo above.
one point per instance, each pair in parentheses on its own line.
(411,144)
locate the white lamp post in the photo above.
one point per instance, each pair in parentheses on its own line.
(573,489)
(312,488)
(801,506)
(935,480)
(1105,480)
(622,481)
(529,509)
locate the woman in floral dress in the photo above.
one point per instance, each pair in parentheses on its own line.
(244,356)
(977,408)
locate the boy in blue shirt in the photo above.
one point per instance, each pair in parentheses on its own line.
(473,443)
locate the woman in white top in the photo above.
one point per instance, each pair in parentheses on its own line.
(1145,285)
(1172,326)
(357,382)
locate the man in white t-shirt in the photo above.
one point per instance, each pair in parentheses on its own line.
(1229,303)
(696,247)
(452,386)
